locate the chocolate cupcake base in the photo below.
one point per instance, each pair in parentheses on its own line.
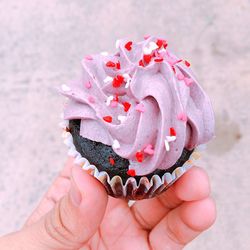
(93,157)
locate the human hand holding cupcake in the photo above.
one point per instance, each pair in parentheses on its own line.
(136,118)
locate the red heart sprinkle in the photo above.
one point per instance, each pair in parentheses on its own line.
(111,161)
(110,64)
(139,156)
(141,63)
(128,45)
(117,81)
(161,42)
(187,63)
(147,58)
(131,172)
(118,65)
(107,118)
(158,59)
(172,131)
(127,106)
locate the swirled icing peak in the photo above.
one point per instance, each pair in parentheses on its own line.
(143,101)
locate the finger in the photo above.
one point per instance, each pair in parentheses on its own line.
(183,224)
(74,219)
(58,189)
(193,185)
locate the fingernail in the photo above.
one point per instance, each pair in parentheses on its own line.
(74,193)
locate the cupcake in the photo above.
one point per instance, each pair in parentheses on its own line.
(135,119)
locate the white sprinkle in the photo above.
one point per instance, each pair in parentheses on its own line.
(153,46)
(148,50)
(108,79)
(65,88)
(109,99)
(116,144)
(117,43)
(171,138)
(128,80)
(121,118)
(104,53)
(167,145)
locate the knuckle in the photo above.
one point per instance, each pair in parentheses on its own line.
(58,228)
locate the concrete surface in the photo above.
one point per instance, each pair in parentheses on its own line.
(41,45)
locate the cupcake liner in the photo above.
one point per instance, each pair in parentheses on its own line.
(130,190)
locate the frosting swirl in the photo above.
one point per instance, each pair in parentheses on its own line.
(143,101)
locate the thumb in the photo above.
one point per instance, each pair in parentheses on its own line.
(74,219)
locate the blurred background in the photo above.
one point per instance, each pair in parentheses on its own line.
(41,46)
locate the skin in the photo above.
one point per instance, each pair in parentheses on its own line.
(77,213)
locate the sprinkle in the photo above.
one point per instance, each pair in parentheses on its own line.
(91,99)
(147,58)
(158,59)
(188,81)
(131,172)
(116,144)
(108,79)
(173,68)
(161,43)
(104,53)
(149,149)
(148,50)
(178,61)
(171,138)
(172,131)
(107,119)
(111,161)
(109,99)
(127,84)
(182,117)
(65,88)
(180,77)
(117,43)
(141,63)
(140,107)
(187,63)
(139,156)
(113,104)
(167,145)
(88,57)
(153,46)
(117,81)
(110,64)
(88,85)
(118,65)
(121,118)
(126,106)
(128,45)
(128,80)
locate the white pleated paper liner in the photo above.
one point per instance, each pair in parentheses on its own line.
(130,190)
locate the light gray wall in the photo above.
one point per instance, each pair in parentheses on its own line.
(41,45)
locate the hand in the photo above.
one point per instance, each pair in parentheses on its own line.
(76,213)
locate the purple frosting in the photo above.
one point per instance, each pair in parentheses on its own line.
(169,110)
